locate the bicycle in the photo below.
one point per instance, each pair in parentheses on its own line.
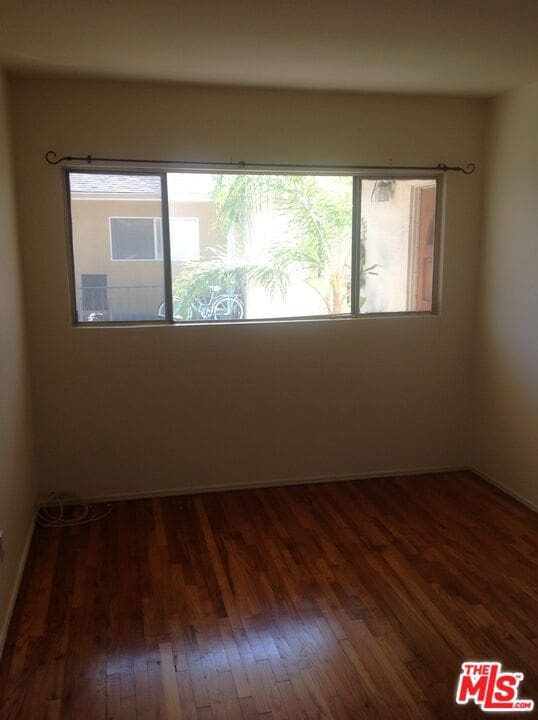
(216,306)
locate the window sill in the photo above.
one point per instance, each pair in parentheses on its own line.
(260,321)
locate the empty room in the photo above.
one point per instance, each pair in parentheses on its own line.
(268,360)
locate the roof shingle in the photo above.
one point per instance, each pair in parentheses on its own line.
(117,183)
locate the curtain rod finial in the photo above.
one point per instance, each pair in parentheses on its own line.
(50,157)
(469,170)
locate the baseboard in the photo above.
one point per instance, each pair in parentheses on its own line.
(16,586)
(504,489)
(277,482)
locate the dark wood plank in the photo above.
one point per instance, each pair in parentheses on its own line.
(340,600)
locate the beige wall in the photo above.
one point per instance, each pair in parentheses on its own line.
(504,445)
(91,241)
(91,231)
(127,410)
(92,251)
(17,489)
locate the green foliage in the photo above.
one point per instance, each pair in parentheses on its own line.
(237,198)
(318,222)
(197,279)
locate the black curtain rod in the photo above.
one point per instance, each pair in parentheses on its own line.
(52,159)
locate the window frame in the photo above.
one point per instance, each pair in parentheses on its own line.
(157,221)
(438,240)
(437,177)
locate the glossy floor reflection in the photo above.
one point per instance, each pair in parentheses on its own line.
(347,600)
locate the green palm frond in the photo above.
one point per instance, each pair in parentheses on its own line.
(197,280)
(316,239)
(238,198)
(319,222)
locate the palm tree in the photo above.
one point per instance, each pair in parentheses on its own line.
(316,242)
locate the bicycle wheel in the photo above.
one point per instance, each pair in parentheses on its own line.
(228,307)
(161,312)
(199,310)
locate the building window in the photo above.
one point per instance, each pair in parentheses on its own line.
(241,246)
(135,238)
(185,238)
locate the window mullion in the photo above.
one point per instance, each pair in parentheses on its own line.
(167,260)
(356,247)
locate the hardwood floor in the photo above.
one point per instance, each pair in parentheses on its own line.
(348,600)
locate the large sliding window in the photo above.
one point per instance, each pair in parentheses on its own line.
(213,247)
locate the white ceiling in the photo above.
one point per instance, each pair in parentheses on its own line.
(477,47)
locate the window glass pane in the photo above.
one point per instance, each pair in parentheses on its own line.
(260,246)
(117,277)
(132,238)
(397,245)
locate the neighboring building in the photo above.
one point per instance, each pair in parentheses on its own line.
(117,238)
(399,216)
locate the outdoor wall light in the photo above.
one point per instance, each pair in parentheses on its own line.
(382,191)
